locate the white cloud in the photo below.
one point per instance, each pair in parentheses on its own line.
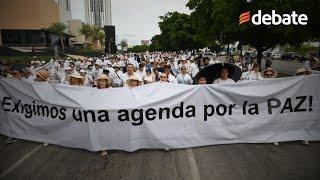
(135,20)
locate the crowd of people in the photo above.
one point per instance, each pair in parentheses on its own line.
(131,70)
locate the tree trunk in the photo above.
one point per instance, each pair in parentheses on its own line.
(319,48)
(62,44)
(85,42)
(259,56)
(228,49)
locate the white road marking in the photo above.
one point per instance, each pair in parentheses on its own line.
(20,161)
(193,165)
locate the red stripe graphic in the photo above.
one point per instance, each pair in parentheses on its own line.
(244,17)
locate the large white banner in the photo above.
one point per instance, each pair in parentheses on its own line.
(161,115)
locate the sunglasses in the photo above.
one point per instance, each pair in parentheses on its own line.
(163,76)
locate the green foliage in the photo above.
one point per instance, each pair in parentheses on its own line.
(123,44)
(58,28)
(177,33)
(139,48)
(85,30)
(218,20)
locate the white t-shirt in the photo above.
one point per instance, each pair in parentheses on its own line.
(221,81)
(184,79)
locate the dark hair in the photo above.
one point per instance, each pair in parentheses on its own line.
(129,64)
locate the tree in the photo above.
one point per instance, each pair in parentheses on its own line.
(85,30)
(59,29)
(218,20)
(101,38)
(95,34)
(177,33)
(139,48)
(123,44)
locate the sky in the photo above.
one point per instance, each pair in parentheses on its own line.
(135,20)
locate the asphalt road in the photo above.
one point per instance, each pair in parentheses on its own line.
(290,160)
(284,67)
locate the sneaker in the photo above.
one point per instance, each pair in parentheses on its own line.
(276,143)
(10,140)
(305,142)
(104,153)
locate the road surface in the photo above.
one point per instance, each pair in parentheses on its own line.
(284,67)
(289,160)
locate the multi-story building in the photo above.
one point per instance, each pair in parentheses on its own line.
(98,12)
(25,23)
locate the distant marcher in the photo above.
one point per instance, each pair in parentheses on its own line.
(150,77)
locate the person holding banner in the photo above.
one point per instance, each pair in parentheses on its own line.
(224,77)
(76,79)
(133,81)
(163,78)
(103,82)
(202,80)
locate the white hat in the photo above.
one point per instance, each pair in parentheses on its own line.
(67,68)
(76,75)
(82,71)
(183,58)
(116,65)
(103,76)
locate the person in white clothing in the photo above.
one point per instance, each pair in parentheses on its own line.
(130,73)
(223,79)
(255,73)
(184,77)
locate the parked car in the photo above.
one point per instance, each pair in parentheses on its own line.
(275,55)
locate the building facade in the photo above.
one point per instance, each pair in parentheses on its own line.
(78,40)
(98,12)
(25,23)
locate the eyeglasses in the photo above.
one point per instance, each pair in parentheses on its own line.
(163,76)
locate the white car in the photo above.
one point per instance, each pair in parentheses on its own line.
(276,56)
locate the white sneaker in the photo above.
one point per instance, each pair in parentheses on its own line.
(305,142)
(10,140)
(104,153)
(276,143)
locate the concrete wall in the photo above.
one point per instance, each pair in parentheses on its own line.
(28,14)
(74,27)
